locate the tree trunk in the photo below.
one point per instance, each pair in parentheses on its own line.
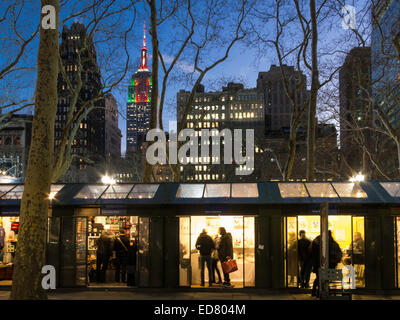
(313,98)
(31,251)
(292,154)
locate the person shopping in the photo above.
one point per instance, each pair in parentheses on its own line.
(205,245)
(121,249)
(225,252)
(105,246)
(214,261)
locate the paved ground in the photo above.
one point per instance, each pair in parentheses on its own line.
(151,295)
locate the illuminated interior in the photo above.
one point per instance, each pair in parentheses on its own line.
(9,243)
(348,232)
(242,230)
(113,224)
(398,250)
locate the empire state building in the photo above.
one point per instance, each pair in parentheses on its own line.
(139,103)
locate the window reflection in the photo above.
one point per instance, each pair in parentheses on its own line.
(244,190)
(190,191)
(143,191)
(292,190)
(117,191)
(393,188)
(5,188)
(54,189)
(349,190)
(219,190)
(321,190)
(15,193)
(90,192)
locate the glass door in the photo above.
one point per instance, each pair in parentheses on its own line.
(73,251)
(184,252)
(53,244)
(240,229)
(397,249)
(81,251)
(143,252)
(348,231)
(249,251)
(293,225)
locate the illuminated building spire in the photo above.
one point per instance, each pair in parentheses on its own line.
(143,60)
(144,34)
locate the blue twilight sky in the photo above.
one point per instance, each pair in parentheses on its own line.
(246,58)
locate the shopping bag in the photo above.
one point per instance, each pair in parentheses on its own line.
(229,266)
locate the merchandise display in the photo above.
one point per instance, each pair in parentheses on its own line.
(348,232)
(398,249)
(241,229)
(112,227)
(8,243)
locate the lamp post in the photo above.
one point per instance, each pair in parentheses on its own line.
(107,180)
(357,178)
(275,159)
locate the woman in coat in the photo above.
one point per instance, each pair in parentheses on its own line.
(225,251)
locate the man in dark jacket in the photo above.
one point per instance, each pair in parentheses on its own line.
(104,251)
(121,249)
(205,245)
(315,252)
(225,251)
(131,263)
(304,252)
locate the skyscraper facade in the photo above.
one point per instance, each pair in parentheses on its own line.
(385,66)
(385,58)
(112,132)
(15,141)
(277,105)
(139,104)
(88,146)
(232,108)
(355,91)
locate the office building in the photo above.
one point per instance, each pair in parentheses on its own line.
(232,108)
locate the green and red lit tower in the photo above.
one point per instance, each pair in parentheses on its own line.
(139,103)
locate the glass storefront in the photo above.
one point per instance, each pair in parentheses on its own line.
(242,230)
(397,250)
(349,233)
(111,271)
(8,243)
(311,225)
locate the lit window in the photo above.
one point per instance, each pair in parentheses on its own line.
(90,192)
(321,190)
(143,191)
(393,188)
(292,190)
(349,190)
(244,190)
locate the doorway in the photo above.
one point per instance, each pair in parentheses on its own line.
(242,230)
(348,231)
(397,250)
(137,230)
